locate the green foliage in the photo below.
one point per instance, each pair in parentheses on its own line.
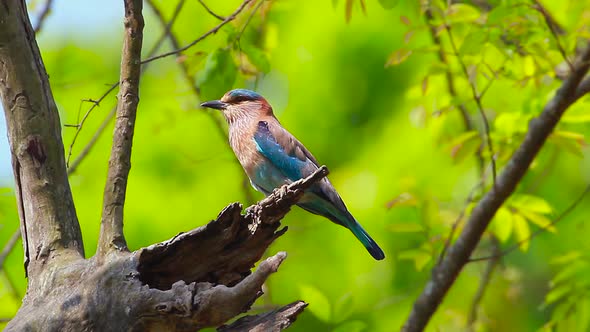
(364,86)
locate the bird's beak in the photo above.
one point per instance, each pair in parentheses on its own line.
(216,104)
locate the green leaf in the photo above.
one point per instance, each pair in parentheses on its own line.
(530,203)
(465,145)
(420,257)
(344,307)
(502,224)
(318,302)
(568,272)
(566,258)
(257,57)
(473,43)
(388,4)
(558,293)
(351,326)
(398,57)
(219,74)
(538,219)
(461,12)
(521,231)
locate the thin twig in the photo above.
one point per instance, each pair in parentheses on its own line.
(477,98)
(79,126)
(205,35)
(219,126)
(221,18)
(448,74)
(111,225)
(537,232)
(43,14)
(72,168)
(552,25)
(445,273)
(10,244)
(483,284)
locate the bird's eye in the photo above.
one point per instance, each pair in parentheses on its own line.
(239,99)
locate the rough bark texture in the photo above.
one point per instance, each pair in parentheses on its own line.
(50,229)
(198,279)
(111,224)
(276,320)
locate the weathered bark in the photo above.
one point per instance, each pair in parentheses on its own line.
(49,226)
(195,280)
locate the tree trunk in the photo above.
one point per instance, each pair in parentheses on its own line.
(197,279)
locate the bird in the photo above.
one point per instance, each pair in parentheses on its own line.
(273,157)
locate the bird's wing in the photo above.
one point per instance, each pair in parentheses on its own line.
(284,151)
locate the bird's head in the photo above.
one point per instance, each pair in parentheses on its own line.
(240,104)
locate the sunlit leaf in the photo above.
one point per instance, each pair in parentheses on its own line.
(538,219)
(558,293)
(461,12)
(521,231)
(530,203)
(473,43)
(318,302)
(566,258)
(568,271)
(398,57)
(502,224)
(420,257)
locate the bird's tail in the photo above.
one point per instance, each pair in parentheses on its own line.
(360,233)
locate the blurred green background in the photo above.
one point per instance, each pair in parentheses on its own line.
(381,119)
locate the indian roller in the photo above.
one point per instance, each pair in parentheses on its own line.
(272,157)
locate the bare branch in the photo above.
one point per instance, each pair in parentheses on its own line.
(80,125)
(537,232)
(221,18)
(228,245)
(555,30)
(48,218)
(477,98)
(205,35)
(111,226)
(8,247)
(43,15)
(448,74)
(72,168)
(276,320)
(540,128)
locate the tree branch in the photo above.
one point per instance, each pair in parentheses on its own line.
(219,126)
(276,320)
(48,218)
(111,226)
(483,284)
(8,247)
(205,35)
(221,18)
(43,15)
(540,128)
